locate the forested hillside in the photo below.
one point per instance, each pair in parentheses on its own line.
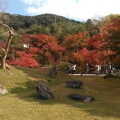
(50,39)
(19,21)
(49,24)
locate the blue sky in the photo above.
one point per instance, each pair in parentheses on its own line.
(80,10)
(17,7)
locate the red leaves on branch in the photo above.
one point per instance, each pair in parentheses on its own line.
(81,55)
(45,46)
(33,50)
(2,44)
(26,38)
(38,40)
(84,52)
(18,53)
(74,44)
(111,35)
(95,42)
(27,61)
(76,41)
(24,60)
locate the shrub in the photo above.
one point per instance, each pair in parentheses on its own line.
(25,60)
(64,66)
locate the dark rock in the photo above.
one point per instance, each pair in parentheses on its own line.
(44,92)
(53,71)
(83,98)
(108,75)
(74,84)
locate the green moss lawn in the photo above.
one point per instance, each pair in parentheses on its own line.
(21,102)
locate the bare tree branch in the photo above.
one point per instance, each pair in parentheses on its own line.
(2,49)
(5,25)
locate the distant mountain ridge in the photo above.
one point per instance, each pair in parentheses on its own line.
(19,21)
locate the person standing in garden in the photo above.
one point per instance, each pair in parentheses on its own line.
(73,68)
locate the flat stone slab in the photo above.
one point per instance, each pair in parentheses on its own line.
(82,98)
(73,84)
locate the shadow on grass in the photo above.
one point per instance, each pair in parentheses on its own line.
(102,106)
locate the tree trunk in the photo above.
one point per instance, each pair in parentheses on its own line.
(5,51)
(3,62)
